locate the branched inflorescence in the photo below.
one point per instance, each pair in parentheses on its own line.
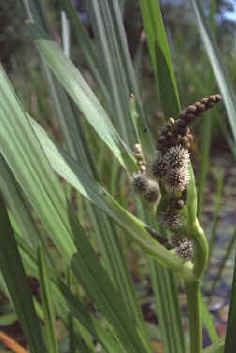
(170,168)
(142,184)
(172,162)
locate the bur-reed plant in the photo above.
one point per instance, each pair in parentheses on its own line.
(83,255)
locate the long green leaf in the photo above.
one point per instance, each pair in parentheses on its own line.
(77,88)
(109,342)
(79,311)
(167,305)
(68,121)
(66,167)
(36,14)
(218,203)
(217,347)
(66,305)
(208,321)
(161,58)
(230,341)
(24,155)
(173,335)
(206,137)
(217,66)
(213,18)
(164,286)
(76,145)
(17,204)
(47,303)
(116,266)
(15,278)
(98,285)
(87,46)
(221,268)
(115,61)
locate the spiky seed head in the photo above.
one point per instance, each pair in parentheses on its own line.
(152,192)
(172,219)
(159,167)
(184,141)
(177,179)
(183,247)
(140,182)
(176,157)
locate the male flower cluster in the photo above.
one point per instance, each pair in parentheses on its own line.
(147,187)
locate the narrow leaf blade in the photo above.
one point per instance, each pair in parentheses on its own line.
(77,88)
(217,66)
(15,278)
(47,303)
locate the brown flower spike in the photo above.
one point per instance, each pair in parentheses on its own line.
(177,132)
(171,165)
(183,247)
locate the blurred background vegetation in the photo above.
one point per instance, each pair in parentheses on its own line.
(194,74)
(195,79)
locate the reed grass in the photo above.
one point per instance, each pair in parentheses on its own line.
(73,234)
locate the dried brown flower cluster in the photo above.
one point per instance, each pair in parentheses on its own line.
(147,187)
(183,247)
(177,132)
(170,169)
(172,214)
(138,153)
(171,165)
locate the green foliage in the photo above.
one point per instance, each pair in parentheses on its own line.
(79,256)
(160,54)
(15,278)
(230,338)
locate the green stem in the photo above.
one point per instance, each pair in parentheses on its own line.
(200,249)
(192,291)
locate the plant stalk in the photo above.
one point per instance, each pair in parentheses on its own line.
(200,249)
(192,291)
